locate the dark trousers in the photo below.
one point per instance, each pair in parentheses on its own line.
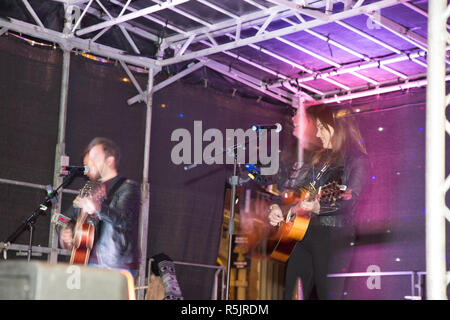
(323,250)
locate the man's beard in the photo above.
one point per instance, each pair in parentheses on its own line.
(96,178)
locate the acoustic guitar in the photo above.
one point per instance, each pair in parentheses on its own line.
(294,228)
(84,230)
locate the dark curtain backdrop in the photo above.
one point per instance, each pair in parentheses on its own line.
(391,218)
(186,207)
(29,102)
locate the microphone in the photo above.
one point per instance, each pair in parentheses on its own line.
(254,173)
(76,168)
(259,127)
(66,170)
(189,167)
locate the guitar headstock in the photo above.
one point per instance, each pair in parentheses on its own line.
(94,189)
(331,192)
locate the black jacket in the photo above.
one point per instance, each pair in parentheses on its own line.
(353,172)
(116,227)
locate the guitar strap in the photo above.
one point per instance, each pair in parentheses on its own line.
(320,174)
(94,219)
(113,190)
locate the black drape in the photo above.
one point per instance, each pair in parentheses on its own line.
(186,207)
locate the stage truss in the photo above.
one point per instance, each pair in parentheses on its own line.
(205,33)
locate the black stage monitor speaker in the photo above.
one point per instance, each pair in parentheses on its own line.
(22,280)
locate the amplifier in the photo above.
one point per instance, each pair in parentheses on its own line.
(23,280)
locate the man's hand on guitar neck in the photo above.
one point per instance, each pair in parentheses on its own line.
(90,198)
(87,204)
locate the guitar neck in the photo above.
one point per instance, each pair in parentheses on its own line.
(81,218)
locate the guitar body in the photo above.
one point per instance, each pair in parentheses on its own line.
(294,228)
(289,233)
(84,232)
(83,243)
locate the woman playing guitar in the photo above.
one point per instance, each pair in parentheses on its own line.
(340,157)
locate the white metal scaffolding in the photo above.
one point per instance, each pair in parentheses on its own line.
(436,128)
(259,20)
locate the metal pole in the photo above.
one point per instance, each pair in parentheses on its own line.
(234,180)
(435,152)
(299,103)
(144,214)
(60,152)
(30,243)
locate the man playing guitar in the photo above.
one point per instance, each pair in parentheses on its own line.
(116,218)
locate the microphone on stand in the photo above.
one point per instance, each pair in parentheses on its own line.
(254,173)
(189,167)
(259,127)
(66,170)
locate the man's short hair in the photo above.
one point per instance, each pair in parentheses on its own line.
(109,147)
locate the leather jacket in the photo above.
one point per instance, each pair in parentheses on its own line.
(353,172)
(116,226)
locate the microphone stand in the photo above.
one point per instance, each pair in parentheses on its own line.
(31,220)
(234,182)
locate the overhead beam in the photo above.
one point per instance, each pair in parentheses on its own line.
(381,90)
(149,17)
(78,22)
(74,42)
(142,95)
(122,29)
(249,62)
(33,13)
(368,36)
(217,8)
(228,25)
(246,79)
(326,60)
(214,43)
(296,46)
(420,11)
(280,32)
(71,2)
(133,79)
(381,84)
(330,41)
(302,8)
(361,66)
(399,30)
(131,16)
(229,72)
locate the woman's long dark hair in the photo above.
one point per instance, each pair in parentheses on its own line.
(346,139)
